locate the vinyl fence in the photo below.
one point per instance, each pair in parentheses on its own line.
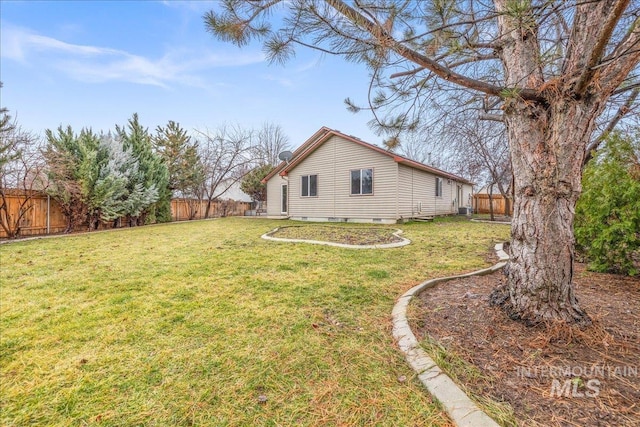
(44,216)
(481,204)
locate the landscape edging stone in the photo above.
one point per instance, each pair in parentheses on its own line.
(462,410)
(404,242)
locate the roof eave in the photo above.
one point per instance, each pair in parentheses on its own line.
(298,155)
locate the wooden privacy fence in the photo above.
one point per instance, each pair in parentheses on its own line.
(187,209)
(481,204)
(44,216)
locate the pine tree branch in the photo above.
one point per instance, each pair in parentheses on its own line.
(387,41)
(626,88)
(407,73)
(622,60)
(622,111)
(601,41)
(492,117)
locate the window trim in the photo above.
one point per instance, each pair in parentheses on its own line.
(308,187)
(360,179)
(439,182)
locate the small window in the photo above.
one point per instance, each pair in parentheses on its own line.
(309,186)
(438,187)
(361,181)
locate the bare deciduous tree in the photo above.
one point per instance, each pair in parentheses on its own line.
(270,141)
(226,155)
(21,174)
(478,149)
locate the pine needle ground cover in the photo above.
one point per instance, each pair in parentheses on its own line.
(204,323)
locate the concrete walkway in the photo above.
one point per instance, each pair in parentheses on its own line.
(462,410)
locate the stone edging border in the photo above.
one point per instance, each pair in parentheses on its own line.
(462,410)
(404,242)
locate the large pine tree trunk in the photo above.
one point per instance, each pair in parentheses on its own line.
(548,136)
(547,148)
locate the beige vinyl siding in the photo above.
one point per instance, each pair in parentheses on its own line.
(444,204)
(467,192)
(320,163)
(418,194)
(406,205)
(333,162)
(380,204)
(274,195)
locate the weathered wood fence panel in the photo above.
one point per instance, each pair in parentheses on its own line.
(44,215)
(187,209)
(481,204)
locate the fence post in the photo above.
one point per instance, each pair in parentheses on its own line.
(48,215)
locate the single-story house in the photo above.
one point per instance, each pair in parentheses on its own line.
(338,177)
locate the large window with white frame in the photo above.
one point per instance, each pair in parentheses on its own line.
(438,187)
(309,185)
(361,182)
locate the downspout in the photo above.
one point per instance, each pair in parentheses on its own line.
(398,191)
(456,202)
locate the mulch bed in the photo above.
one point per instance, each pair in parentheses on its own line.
(345,235)
(555,376)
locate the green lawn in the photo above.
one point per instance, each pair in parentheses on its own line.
(197,323)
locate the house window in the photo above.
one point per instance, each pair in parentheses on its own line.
(361,181)
(438,187)
(309,187)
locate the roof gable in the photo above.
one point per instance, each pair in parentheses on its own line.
(324,133)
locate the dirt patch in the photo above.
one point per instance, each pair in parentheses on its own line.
(550,377)
(345,235)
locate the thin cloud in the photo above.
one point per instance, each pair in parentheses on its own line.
(282,81)
(96,64)
(18,43)
(191,5)
(309,65)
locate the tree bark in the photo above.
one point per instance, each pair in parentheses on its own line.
(547,149)
(490,192)
(207,211)
(547,142)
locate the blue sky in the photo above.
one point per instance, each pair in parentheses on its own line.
(94,63)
